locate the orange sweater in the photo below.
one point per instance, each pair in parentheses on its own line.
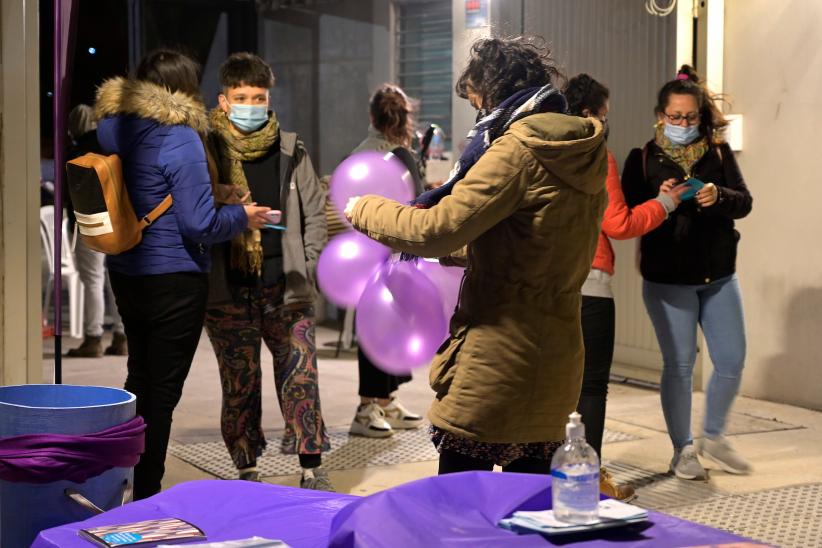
(621,222)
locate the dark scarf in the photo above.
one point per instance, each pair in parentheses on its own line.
(521,104)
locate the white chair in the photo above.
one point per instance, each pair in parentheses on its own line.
(70,275)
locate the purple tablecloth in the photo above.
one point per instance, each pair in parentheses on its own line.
(455,510)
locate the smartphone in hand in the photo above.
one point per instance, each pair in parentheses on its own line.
(695,186)
(275,216)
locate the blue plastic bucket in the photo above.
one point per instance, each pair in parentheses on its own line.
(27,508)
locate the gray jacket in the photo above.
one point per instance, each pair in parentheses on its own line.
(302,202)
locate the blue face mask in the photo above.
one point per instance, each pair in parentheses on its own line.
(248,118)
(681,135)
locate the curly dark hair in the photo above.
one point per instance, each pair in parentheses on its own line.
(584,93)
(688,82)
(390,111)
(499,67)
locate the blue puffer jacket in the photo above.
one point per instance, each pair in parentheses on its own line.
(155,133)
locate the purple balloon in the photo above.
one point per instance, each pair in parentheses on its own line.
(447,280)
(370,172)
(346,265)
(400,323)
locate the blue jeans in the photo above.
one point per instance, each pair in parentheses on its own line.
(675,311)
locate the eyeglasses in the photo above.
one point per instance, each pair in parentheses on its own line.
(691,117)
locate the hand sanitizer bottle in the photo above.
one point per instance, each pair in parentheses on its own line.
(575,476)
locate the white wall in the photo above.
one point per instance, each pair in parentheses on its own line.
(20,316)
(773,74)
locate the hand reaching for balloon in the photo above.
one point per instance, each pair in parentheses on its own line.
(349,207)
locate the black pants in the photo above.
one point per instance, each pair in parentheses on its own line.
(451,462)
(163,318)
(598,324)
(374,382)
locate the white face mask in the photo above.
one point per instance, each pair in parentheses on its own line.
(681,135)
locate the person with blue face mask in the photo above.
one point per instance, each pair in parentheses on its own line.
(262,287)
(688,267)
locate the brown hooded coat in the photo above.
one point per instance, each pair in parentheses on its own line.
(529,211)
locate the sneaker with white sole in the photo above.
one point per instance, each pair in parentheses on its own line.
(720,451)
(685,465)
(401,418)
(370,422)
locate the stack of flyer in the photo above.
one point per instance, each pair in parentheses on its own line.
(612,513)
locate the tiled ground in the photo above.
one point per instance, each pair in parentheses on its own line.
(779,503)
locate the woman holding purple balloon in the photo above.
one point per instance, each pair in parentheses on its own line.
(526,198)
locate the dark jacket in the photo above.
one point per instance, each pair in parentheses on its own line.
(694,245)
(302,202)
(156,133)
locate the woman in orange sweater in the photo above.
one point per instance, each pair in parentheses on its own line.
(587,97)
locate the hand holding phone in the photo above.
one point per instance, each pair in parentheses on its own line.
(274,217)
(695,185)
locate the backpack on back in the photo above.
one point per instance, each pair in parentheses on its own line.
(105,217)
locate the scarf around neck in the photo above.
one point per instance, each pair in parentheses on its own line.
(236,148)
(684,155)
(521,104)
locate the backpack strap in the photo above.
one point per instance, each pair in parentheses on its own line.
(155,213)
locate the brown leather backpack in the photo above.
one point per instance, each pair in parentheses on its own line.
(105,217)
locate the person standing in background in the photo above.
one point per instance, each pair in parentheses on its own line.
(156,123)
(266,291)
(589,98)
(688,266)
(92,264)
(380,412)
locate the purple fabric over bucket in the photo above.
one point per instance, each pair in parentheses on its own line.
(459,510)
(44,458)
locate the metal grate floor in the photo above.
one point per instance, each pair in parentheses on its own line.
(662,491)
(790,517)
(347,452)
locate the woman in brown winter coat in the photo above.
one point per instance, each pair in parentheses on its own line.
(526,198)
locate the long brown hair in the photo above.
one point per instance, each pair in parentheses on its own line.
(688,82)
(391,114)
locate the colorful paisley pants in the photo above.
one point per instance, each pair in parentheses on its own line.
(236,331)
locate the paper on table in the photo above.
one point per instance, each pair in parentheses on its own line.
(608,510)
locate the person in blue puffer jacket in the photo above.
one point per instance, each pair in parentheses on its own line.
(156,124)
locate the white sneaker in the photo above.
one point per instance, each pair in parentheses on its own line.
(399,417)
(720,451)
(686,465)
(370,422)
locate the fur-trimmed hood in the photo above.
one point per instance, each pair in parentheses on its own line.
(148,100)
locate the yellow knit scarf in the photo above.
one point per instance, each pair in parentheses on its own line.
(236,148)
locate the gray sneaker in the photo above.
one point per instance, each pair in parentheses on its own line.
(686,465)
(720,451)
(316,479)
